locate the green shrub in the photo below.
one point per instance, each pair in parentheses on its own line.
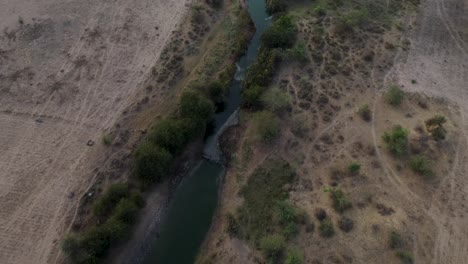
(394,95)
(352,19)
(272,247)
(405,257)
(174,134)
(260,72)
(395,240)
(195,105)
(106,204)
(266,126)
(262,193)
(326,228)
(251,96)
(152,163)
(435,127)
(276,100)
(125,211)
(397,140)
(281,34)
(421,166)
(354,168)
(341,203)
(293,256)
(297,53)
(365,112)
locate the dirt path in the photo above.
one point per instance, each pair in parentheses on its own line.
(438,62)
(67,71)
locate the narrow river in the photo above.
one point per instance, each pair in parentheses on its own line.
(191,211)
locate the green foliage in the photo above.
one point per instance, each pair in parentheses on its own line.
(397,140)
(125,211)
(196,106)
(276,100)
(258,76)
(421,166)
(365,112)
(293,256)
(281,34)
(107,202)
(405,257)
(394,95)
(275,6)
(435,127)
(174,134)
(297,53)
(266,126)
(341,203)
(287,218)
(215,3)
(262,193)
(326,228)
(152,163)
(354,168)
(396,241)
(272,247)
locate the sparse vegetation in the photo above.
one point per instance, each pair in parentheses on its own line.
(421,166)
(394,95)
(354,168)
(107,140)
(397,140)
(435,127)
(341,203)
(266,126)
(276,100)
(405,257)
(272,247)
(262,193)
(326,228)
(293,256)
(346,224)
(396,241)
(365,112)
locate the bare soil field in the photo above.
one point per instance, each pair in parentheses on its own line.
(67,71)
(438,61)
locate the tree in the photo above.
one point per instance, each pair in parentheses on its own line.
(397,140)
(152,162)
(395,95)
(195,105)
(281,34)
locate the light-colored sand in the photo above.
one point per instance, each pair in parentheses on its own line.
(438,61)
(66,74)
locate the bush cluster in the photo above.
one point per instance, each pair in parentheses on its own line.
(421,166)
(281,35)
(170,136)
(435,127)
(394,95)
(341,203)
(117,209)
(397,140)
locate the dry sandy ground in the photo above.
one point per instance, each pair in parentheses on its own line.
(67,70)
(438,61)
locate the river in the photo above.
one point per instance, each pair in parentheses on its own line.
(191,211)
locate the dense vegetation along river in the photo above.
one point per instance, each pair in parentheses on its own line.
(191,210)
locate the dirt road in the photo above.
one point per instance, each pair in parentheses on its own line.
(438,63)
(67,70)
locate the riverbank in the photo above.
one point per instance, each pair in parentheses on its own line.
(212,53)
